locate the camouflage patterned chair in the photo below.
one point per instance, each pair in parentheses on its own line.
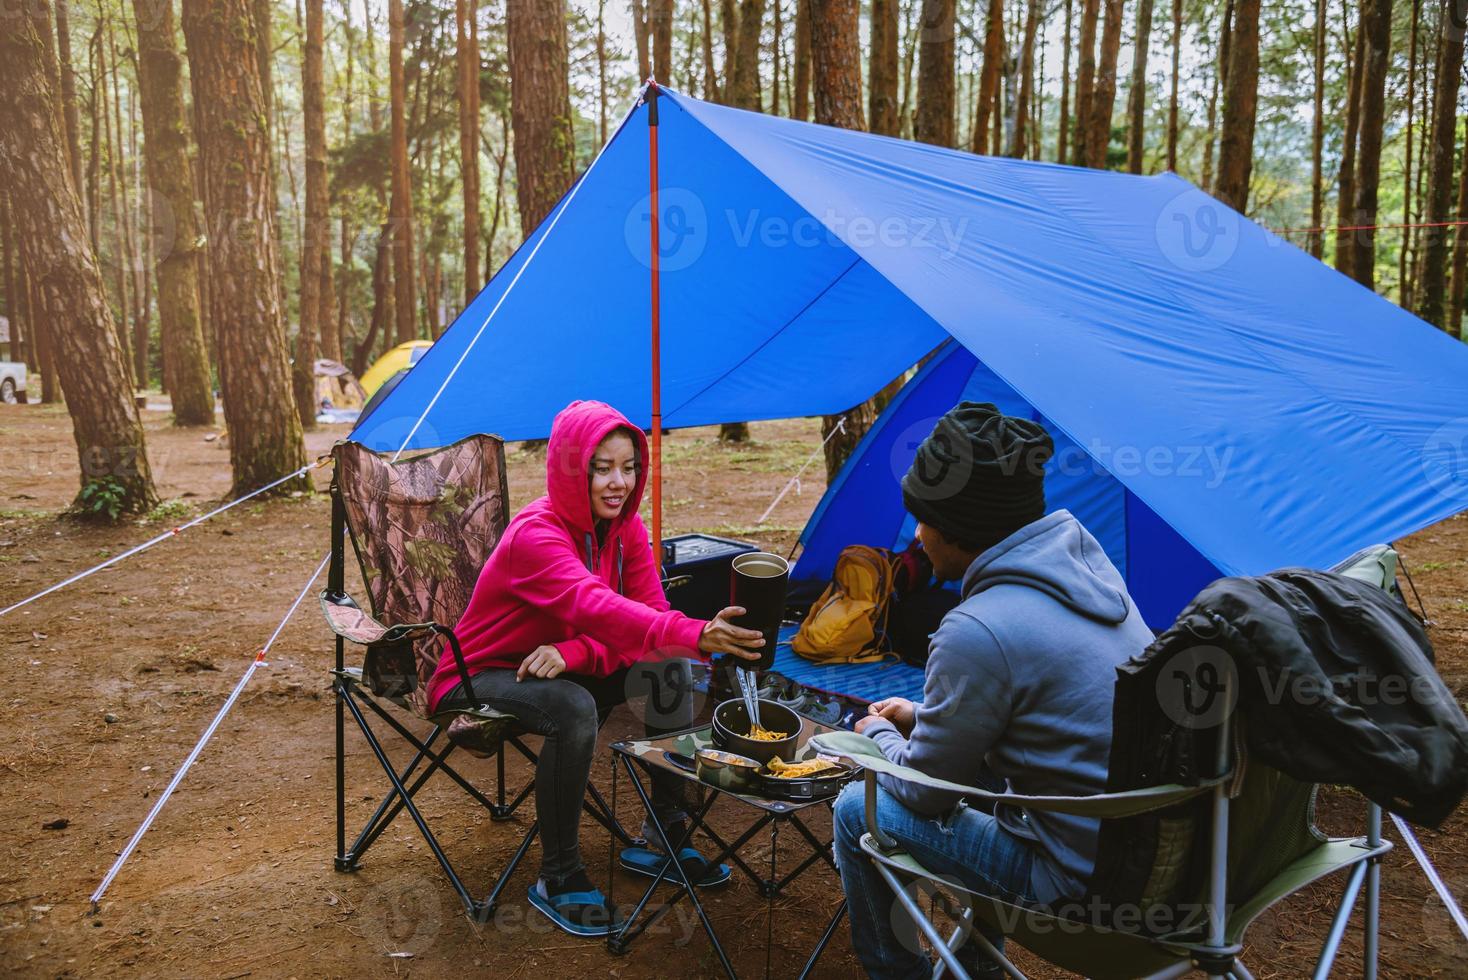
(422,528)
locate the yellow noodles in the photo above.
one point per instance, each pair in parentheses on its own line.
(764,734)
(794,770)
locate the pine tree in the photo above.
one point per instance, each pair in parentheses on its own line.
(229,99)
(160,80)
(67,283)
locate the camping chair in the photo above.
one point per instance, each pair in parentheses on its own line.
(422,527)
(1248,829)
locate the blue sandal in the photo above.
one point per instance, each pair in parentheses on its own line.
(586,913)
(646,861)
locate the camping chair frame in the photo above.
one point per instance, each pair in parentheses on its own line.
(477,727)
(1216,952)
(1155,956)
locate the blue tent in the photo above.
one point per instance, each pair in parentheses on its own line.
(863,505)
(1238,405)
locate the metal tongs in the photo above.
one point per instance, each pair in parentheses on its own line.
(749,690)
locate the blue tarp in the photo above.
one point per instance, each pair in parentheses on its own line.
(864,506)
(1243,406)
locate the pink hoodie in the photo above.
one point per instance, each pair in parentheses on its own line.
(549,581)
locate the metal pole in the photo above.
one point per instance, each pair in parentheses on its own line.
(1218,874)
(1373,894)
(655,218)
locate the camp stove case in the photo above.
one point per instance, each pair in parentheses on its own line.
(696,568)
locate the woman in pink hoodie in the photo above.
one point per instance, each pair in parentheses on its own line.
(570,599)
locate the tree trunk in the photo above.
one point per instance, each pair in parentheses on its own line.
(836,59)
(989,76)
(93,194)
(706,50)
(383,314)
(175,222)
(660,26)
(744,87)
(800,100)
(1460,253)
(1376,22)
(120,247)
(1097,122)
(935,93)
(328,341)
(882,67)
(729,30)
(1346,179)
(1172,103)
(1414,192)
(1063,137)
(7,267)
(776,38)
(540,102)
(1404,285)
(466,14)
(1430,303)
(317,224)
(1314,243)
(40,326)
(1241,94)
(68,282)
(1137,95)
(68,94)
(264,430)
(401,210)
(1019,136)
(1085,78)
(1220,79)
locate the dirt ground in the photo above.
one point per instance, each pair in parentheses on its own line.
(110,682)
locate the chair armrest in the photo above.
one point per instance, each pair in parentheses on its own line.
(862,751)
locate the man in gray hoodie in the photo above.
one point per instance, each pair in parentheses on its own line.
(1018,688)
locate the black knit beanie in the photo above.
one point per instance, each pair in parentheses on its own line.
(980,476)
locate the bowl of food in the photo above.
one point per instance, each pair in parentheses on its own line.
(727,770)
(776,734)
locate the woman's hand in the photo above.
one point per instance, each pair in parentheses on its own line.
(901,712)
(545,662)
(721,636)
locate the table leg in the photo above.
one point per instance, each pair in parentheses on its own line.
(826,937)
(770,894)
(618,942)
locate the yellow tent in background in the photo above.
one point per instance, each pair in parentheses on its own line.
(400,358)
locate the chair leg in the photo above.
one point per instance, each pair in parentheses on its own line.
(1332,943)
(940,944)
(341,862)
(383,817)
(1373,895)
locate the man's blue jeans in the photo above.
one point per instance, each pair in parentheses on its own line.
(966,845)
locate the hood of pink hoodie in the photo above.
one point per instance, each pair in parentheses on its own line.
(576,432)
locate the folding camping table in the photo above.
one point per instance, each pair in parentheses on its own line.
(673,753)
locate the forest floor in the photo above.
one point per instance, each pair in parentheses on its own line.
(110,682)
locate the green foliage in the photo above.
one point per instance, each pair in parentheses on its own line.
(101,499)
(169,511)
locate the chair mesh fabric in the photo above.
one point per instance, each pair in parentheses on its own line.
(422,528)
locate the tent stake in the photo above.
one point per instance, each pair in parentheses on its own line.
(657,383)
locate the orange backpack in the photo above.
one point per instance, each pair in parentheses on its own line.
(848,623)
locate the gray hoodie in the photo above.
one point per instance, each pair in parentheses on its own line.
(1020,676)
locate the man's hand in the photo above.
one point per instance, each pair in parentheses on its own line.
(721,636)
(901,712)
(546,662)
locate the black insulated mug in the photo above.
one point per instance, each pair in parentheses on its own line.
(757,582)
